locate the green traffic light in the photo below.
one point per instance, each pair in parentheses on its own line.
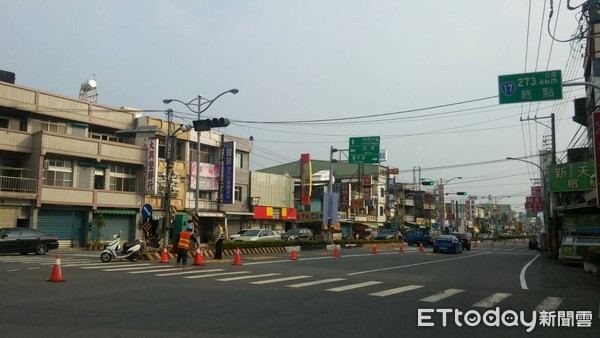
(461,193)
(428,183)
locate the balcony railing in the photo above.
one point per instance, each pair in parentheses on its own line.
(18,184)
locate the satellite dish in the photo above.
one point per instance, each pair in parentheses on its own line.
(92,83)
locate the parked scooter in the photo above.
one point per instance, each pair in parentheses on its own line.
(130,250)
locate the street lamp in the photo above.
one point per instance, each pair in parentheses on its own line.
(199,110)
(546,205)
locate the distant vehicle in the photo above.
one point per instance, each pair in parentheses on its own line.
(483,236)
(388,234)
(26,240)
(417,236)
(298,233)
(238,234)
(465,240)
(253,235)
(447,243)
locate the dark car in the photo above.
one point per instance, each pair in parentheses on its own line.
(298,233)
(465,240)
(26,240)
(447,243)
(388,234)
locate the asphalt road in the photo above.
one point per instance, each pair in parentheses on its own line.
(359,294)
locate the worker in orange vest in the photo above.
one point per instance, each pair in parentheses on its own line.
(184,242)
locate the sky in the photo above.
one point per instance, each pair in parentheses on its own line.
(311,74)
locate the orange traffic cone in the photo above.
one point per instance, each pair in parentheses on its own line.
(199,259)
(374,250)
(492,243)
(294,255)
(56,272)
(237,259)
(421,247)
(475,244)
(401,248)
(165,256)
(336,252)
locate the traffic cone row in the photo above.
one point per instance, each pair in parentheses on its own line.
(294,255)
(199,259)
(56,275)
(165,256)
(237,259)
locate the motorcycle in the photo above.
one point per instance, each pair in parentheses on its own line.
(130,250)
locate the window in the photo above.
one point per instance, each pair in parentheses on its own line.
(381,211)
(105,137)
(59,173)
(123,178)
(381,192)
(56,126)
(4,123)
(237,195)
(239,160)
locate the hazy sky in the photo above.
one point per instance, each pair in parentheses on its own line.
(309,60)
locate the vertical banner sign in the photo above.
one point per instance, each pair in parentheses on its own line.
(228,172)
(345,195)
(305,179)
(468,210)
(597,153)
(151,166)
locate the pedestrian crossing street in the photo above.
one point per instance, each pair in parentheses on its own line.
(334,285)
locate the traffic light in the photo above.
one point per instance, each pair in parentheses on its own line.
(427,182)
(207,124)
(462,193)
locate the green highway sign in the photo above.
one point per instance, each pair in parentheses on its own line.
(530,87)
(364,150)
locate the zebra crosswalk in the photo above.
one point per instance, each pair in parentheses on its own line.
(371,288)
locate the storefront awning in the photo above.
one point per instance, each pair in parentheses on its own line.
(116,211)
(211,214)
(239,213)
(369,224)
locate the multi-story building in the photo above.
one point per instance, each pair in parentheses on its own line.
(65,163)
(362,190)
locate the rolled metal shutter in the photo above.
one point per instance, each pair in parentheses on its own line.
(67,225)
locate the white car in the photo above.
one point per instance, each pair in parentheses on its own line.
(238,234)
(258,235)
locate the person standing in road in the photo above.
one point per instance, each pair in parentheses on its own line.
(184,241)
(219,245)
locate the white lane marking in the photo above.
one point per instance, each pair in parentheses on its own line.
(317,282)
(277,280)
(218,274)
(157,270)
(132,268)
(549,304)
(184,272)
(492,300)
(103,266)
(415,264)
(522,275)
(247,277)
(354,286)
(442,295)
(394,291)
(33,268)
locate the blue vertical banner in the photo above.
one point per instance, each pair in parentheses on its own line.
(228,172)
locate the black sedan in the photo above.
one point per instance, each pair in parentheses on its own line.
(26,240)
